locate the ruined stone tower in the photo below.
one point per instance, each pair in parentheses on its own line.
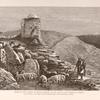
(30,28)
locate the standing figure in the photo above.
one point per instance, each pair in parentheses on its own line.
(83,69)
(78,66)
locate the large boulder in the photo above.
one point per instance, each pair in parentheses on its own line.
(31,66)
(12,56)
(7,81)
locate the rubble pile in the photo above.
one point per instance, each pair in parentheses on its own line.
(43,66)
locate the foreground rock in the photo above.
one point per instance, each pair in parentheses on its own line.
(7,81)
(31,66)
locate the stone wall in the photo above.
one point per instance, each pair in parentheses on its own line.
(30,27)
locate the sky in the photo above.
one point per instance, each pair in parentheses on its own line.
(69,20)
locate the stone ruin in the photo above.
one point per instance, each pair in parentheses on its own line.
(30,28)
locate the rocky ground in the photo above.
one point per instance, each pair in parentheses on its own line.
(69,48)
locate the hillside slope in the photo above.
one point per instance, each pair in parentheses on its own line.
(71,48)
(51,38)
